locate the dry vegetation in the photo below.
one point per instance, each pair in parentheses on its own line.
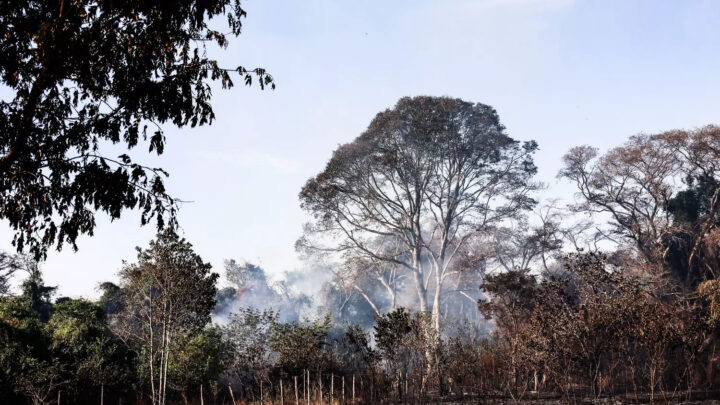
(443,276)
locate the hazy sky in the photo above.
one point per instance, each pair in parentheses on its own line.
(561,72)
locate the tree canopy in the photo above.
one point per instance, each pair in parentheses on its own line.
(426,179)
(169,295)
(84,75)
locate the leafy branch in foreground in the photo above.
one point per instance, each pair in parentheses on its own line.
(88,74)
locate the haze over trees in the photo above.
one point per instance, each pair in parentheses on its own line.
(250,286)
(442,275)
(416,192)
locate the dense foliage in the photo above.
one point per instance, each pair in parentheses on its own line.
(81,76)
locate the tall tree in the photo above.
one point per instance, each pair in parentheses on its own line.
(631,183)
(661,192)
(85,74)
(170,292)
(693,246)
(431,175)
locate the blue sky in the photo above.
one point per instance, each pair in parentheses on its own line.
(561,72)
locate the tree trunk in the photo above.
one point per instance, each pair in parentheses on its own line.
(163,355)
(421,291)
(436,302)
(231,394)
(419,282)
(390,287)
(151,356)
(162,367)
(297,401)
(369,300)
(166,350)
(372,389)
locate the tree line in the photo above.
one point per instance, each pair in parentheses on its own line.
(447,279)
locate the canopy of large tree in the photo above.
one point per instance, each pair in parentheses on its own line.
(424,180)
(80,75)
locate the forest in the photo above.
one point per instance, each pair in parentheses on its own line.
(446,270)
(447,279)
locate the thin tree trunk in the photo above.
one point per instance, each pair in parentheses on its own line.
(231,394)
(420,287)
(152,371)
(297,401)
(162,365)
(332,387)
(282,397)
(390,287)
(372,389)
(167,358)
(163,354)
(406,385)
(436,301)
(369,301)
(353,389)
(202,402)
(102,393)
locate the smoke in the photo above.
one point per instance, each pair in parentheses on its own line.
(250,287)
(356,295)
(320,288)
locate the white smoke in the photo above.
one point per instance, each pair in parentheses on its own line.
(293,296)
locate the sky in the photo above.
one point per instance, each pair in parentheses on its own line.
(561,72)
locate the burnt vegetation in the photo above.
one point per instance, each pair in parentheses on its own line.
(441,275)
